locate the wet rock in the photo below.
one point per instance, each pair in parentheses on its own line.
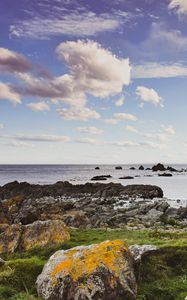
(96,272)
(141,168)
(132,168)
(100,177)
(127,177)
(158,167)
(171,169)
(118,168)
(97,168)
(165,175)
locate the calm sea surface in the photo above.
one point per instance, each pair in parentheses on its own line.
(174,187)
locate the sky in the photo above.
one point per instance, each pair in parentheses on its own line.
(93,81)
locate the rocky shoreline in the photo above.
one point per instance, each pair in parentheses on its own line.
(92,205)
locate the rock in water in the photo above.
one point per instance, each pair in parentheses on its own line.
(141,168)
(158,167)
(44,233)
(100,272)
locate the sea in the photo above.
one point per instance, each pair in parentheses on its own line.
(174,187)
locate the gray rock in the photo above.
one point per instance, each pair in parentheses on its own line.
(138,251)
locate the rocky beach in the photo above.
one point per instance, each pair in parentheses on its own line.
(99,230)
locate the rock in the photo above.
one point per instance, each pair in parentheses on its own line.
(10,238)
(148,169)
(2,262)
(165,175)
(118,168)
(158,167)
(141,168)
(138,251)
(97,168)
(97,272)
(132,168)
(43,234)
(26,237)
(101,177)
(127,177)
(171,169)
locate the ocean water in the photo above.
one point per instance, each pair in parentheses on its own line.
(173,187)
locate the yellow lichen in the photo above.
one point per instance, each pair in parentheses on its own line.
(84,262)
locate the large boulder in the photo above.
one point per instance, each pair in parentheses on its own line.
(97,272)
(43,233)
(26,237)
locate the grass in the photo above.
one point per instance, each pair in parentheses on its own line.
(162,275)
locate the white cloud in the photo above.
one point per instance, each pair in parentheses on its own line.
(39,106)
(180,6)
(168,129)
(148,95)
(131,129)
(39,138)
(18,144)
(73,24)
(95,69)
(2,126)
(78,113)
(86,141)
(11,61)
(125,117)
(159,70)
(6,93)
(111,121)
(120,101)
(126,144)
(153,145)
(90,129)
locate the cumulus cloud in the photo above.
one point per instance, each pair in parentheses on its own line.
(126,144)
(7,93)
(148,95)
(159,70)
(78,113)
(11,61)
(90,129)
(95,69)
(120,101)
(39,106)
(180,6)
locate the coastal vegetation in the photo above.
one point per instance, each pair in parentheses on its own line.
(162,275)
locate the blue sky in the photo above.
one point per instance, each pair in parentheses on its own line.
(93,81)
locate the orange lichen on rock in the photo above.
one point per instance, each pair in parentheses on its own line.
(85,261)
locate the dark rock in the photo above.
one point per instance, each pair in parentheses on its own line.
(158,167)
(165,175)
(148,169)
(171,169)
(118,168)
(127,177)
(132,168)
(141,168)
(97,168)
(101,177)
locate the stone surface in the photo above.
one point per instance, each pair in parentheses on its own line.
(38,234)
(138,251)
(158,167)
(97,272)
(43,233)
(10,238)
